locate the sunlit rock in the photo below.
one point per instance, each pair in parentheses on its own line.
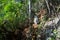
(52,22)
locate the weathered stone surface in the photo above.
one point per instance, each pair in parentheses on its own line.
(52,22)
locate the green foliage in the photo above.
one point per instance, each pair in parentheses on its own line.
(12,11)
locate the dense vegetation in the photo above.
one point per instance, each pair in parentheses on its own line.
(13,13)
(14,18)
